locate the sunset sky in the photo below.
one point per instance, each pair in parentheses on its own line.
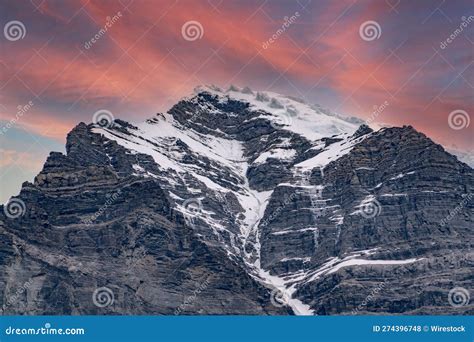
(144,63)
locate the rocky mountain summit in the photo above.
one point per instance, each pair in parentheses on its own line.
(241,202)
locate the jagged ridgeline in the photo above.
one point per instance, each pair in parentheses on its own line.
(240,202)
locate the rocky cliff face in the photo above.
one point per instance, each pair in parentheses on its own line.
(241,203)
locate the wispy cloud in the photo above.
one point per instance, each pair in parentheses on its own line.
(142,64)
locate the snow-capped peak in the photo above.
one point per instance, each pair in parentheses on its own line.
(209,150)
(286,112)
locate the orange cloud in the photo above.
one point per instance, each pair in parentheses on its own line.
(143,64)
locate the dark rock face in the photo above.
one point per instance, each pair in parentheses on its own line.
(90,225)
(417,185)
(204,218)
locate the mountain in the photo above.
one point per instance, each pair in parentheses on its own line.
(464,156)
(241,202)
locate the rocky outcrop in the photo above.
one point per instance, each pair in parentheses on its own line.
(90,223)
(229,205)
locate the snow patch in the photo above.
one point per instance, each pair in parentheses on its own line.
(277,153)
